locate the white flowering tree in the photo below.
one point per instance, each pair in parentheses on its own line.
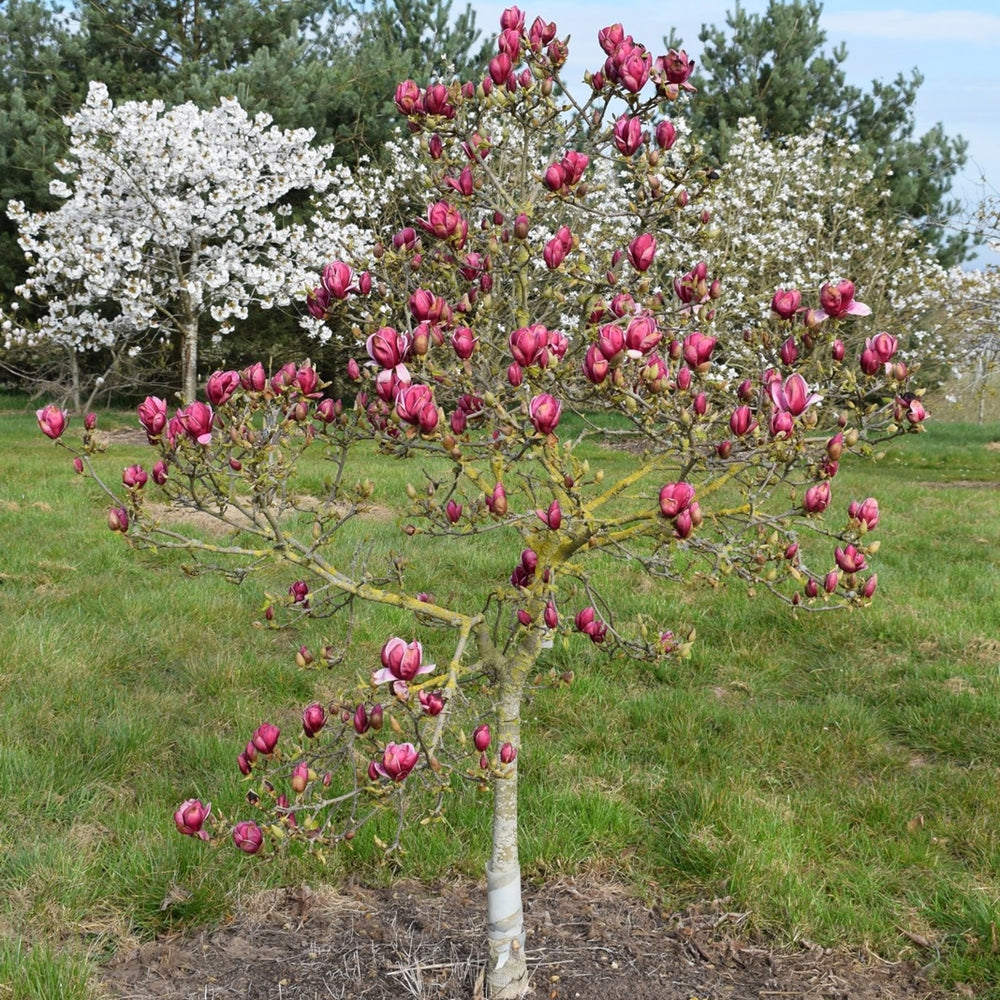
(973,299)
(796,211)
(175,223)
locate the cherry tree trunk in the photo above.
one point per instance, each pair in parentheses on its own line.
(189,358)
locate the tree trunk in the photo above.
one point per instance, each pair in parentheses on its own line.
(507,975)
(189,359)
(74,368)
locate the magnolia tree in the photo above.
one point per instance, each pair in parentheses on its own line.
(516,324)
(174,221)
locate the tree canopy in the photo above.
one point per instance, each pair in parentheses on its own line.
(329,65)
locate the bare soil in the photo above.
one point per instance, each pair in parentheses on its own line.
(588,940)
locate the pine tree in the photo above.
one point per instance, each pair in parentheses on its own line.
(774,67)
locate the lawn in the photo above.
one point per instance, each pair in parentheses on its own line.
(837,775)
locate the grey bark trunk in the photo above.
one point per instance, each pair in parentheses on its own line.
(189,359)
(507,975)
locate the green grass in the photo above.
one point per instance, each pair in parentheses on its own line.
(836,774)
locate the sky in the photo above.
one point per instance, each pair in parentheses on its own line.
(956,50)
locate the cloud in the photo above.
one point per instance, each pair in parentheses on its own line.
(970,26)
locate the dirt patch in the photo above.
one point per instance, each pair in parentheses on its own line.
(588,940)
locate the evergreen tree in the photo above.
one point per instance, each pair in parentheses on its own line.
(774,67)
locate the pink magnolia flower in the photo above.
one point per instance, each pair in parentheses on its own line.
(253,378)
(693,286)
(817,498)
(152,416)
(221,386)
(432,702)
(850,559)
(666,134)
(595,365)
(687,520)
(551,518)
(674,498)
(446,222)
(869,361)
(265,737)
(135,477)
(697,350)
(909,407)
(196,419)
(610,38)
(500,68)
(837,301)
(408,97)
(481,737)
(338,279)
(512,18)
(551,615)
(313,719)
(741,421)
(544,411)
(437,101)
(555,177)
(554,253)
(496,502)
(190,817)
(781,424)
(318,302)
(632,65)
(793,395)
(118,519)
(299,592)
(884,345)
(463,342)
(786,302)
(415,405)
(676,68)
(541,33)
(397,761)
(866,512)
(586,621)
(641,251)
(247,836)
(628,135)
(387,348)
(52,421)
(528,345)
(361,721)
(401,661)
(574,164)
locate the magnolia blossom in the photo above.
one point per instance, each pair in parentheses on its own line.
(793,395)
(51,420)
(401,661)
(190,817)
(397,761)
